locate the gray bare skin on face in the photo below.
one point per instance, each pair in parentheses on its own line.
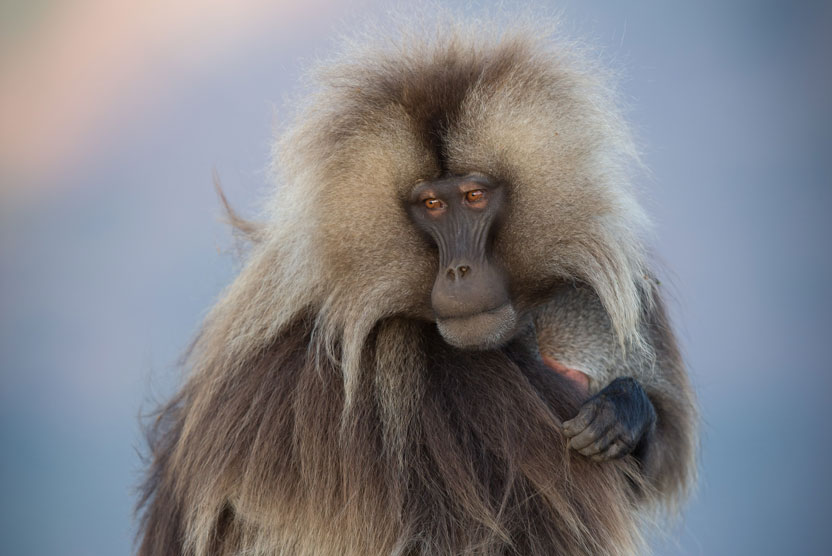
(470,295)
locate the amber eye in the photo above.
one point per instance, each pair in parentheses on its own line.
(433,204)
(475,196)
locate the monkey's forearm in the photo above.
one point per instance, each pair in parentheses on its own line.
(574,330)
(668,461)
(667,457)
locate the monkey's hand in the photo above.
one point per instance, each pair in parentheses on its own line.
(615,422)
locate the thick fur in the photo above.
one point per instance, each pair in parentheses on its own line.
(324,414)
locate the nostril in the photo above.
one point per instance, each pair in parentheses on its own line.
(455,273)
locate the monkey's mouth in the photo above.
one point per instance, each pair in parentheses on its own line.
(484,330)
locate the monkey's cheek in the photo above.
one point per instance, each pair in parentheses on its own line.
(485,330)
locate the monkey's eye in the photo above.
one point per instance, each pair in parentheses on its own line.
(433,204)
(475,196)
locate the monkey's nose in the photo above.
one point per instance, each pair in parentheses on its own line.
(457,273)
(467,288)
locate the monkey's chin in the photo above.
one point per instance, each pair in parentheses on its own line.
(486,330)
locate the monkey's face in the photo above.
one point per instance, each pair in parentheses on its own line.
(470,296)
(555,208)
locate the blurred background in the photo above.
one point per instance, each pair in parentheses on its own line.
(114,114)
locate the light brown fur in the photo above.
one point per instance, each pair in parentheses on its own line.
(324,414)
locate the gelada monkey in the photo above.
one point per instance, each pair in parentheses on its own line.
(445,338)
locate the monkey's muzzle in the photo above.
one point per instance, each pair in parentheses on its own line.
(472,305)
(480,331)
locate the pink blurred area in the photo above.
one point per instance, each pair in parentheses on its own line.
(85,69)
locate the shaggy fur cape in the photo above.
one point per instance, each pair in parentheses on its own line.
(323,413)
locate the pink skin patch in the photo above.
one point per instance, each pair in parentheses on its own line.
(577,377)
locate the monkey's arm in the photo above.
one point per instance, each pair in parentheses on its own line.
(641,402)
